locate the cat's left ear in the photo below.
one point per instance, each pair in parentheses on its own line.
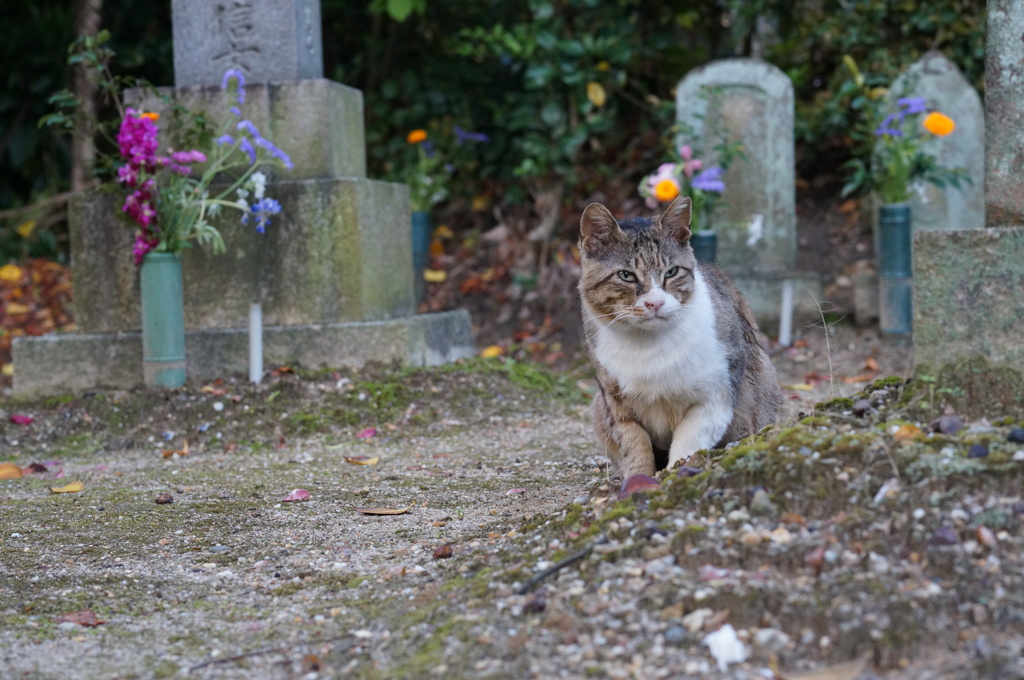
(598,230)
(675,221)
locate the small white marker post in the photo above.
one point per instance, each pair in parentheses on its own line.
(786,314)
(255,343)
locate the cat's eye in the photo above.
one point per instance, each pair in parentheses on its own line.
(627,276)
(671,272)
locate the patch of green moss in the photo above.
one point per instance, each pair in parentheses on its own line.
(837,405)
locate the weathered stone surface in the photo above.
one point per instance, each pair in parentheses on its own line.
(267,40)
(945,88)
(764,295)
(318,123)
(752,102)
(58,364)
(1004,114)
(339,251)
(968,313)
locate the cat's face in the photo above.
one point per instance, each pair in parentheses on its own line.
(639,274)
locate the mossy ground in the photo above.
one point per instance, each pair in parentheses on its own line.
(316,587)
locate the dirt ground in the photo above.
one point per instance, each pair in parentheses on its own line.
(832,539)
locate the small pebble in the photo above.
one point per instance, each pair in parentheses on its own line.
(986,537)
(675,635)
(688,471)
(861,407)
(761,504)
(580,500)
(977,451)
(944,536)
(1018,456)
(947,424)
(163,499)
(1016,435)
(218,406)
(220,549)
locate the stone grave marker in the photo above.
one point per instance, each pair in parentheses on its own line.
(334,270)
(969,284)
(752,102)
(945,88)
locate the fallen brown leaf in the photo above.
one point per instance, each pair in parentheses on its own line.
(183,451)
(73,487)
(86,617)
(871,364)
(443,552)
(841,671)
(362,460)
(10,471)
(384,511)
(907,432)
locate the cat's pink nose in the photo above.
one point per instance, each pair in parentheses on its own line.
(654,305)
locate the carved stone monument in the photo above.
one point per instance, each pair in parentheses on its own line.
(333,272)
(969,284)
(751,102)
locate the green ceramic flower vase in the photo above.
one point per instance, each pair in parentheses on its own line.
(163,320)
(895,279)
(705,246)
(420,249)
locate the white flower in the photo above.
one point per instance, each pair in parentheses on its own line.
(259,184)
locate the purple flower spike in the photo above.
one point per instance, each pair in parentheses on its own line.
(237,75)
(887,128)
(225,139)
(235,110)
(709,180)
(262,210)
(464,136)
(912,105)
(247,147)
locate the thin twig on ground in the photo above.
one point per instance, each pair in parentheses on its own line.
(568,561)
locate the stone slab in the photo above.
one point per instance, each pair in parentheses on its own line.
(764,295)
(318,123)
(339,251)
(968,314)
(945,89)
(752,102)
(60,364)
(267,40)
(1004,114)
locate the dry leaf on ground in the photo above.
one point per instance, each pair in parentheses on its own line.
(296,495)
(362,460)
(73,487)
(842,671)
(86,617)
(10,471)
(383,511)
(183,451)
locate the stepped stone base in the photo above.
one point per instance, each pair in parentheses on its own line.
(59,364)
(968,311)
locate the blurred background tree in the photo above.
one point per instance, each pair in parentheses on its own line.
(576,95)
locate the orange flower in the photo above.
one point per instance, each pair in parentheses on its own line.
(416,136)
(666,190)
(939,124)
(150,116)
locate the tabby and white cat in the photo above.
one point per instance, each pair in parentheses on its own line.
(677,352)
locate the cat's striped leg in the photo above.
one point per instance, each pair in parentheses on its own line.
(627,443)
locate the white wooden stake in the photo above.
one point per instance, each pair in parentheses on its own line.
(786,315)
(255,343)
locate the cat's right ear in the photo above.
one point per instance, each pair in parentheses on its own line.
(598,229)
(676,220)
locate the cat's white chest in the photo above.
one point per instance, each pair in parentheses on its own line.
(680,363)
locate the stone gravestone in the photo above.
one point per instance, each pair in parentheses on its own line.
(945,89)
(334,270)
(752,102)
(969,284)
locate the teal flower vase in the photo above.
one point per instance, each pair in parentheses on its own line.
(163,320)
(895,281)
(705,246)
(420,249)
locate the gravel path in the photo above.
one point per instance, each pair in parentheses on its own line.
(836,539)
